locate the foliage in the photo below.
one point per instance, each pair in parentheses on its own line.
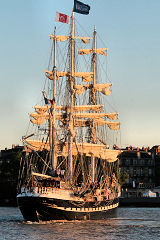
(123,178)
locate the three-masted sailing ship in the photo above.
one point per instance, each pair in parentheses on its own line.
(68,170)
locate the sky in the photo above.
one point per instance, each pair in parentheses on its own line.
(130,30)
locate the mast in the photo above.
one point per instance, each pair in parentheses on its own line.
(94,66)
(70,139)
(53,110)
(93,100)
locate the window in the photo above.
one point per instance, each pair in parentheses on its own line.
(150,172)
(134,172)
(141,172)
(134,161)
(128,171)
(127,161)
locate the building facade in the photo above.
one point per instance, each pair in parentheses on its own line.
(139,164)
(9,168)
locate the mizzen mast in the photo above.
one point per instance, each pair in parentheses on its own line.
(94,67)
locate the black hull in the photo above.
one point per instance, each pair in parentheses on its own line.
(46,209)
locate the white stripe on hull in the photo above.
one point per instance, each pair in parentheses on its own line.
(94,209)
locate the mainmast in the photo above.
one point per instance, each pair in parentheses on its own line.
(71,80)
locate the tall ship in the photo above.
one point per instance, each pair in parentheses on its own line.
(68,170)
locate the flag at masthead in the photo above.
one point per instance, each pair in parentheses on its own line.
(81,8)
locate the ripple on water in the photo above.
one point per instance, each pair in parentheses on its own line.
(136,224)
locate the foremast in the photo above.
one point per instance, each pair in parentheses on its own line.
(52,119)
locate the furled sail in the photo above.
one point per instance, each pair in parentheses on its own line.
(84,39)
(89,149)
(86,76)
(59,38)
(36,145)
(96,121)
(80,108)
(38,121)
(111,125)
(43,109)
(64,38)
(96,115)
(104,88)
(88,51)
(79,89)
(49,74)
(39,117)
(61,74)
(81,123)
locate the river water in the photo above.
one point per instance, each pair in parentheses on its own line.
(130,223)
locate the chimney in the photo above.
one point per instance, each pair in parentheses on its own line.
(138,153)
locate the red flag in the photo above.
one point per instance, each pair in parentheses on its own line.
(60,17)
(51,101)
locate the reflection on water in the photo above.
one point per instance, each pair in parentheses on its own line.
(130,223)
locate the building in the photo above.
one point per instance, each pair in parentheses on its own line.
(139,164)
(9,167)
(156,155)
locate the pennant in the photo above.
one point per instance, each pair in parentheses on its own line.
(81,8)
(60,17)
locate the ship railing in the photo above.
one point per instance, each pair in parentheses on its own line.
(47,190)
(27,189)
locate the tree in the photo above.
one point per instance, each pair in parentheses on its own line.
(123,178)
